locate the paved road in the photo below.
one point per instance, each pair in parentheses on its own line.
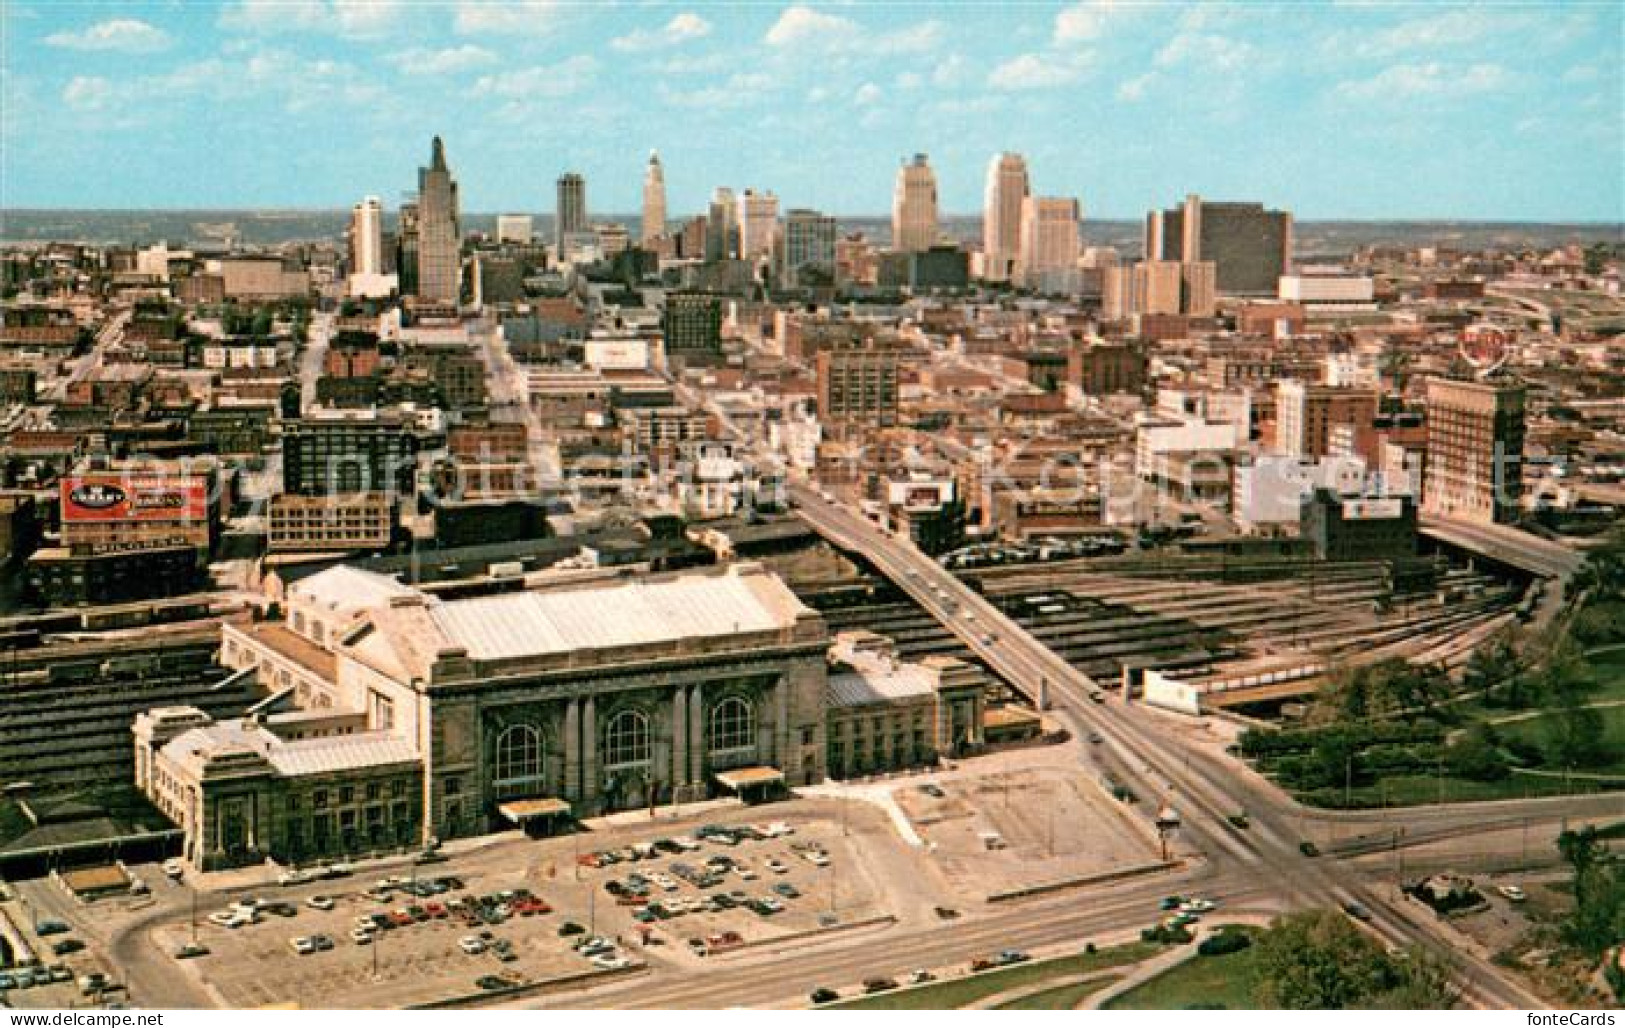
(1201,787)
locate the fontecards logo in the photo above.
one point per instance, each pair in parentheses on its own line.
(96,496)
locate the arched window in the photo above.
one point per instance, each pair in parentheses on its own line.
(626,740)
(518,758)
(732,726)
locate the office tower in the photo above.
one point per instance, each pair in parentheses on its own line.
(691,239)
(339,452)
(570,216)
(1049,241)
(1250,247)
(654,201)
(406,259)
(439,263)
(1475,436)
(809,245)
(1307,413)
(758,216)
(692,323)
(1201,288)
(515,228)
(857,386)
(1003,199)
(367,237)
(721,231)
(914,206)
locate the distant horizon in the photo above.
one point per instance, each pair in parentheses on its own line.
(880,216)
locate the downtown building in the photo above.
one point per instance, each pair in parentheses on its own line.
(654,203)
(809,248)
(758,219)
(1049,244)
(914,207)
(439,263)
(1250,247)
(1003,202)
(1475,437)
(570,217)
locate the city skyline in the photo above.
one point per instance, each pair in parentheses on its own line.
(1118,105)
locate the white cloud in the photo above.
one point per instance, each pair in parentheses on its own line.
(1206,52)
(1428,79)
(128,35)
(353,18)
(1446,30)
(1082,23)
(449,61)
(950,71)
(682,28)
(1038,71)
(515,17)
(556,80)
(910,80)
(802,28)
(739,90)
(89,93)
(1135,88)
(867,94)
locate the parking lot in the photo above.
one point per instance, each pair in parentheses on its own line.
(638,903)
(1018,827)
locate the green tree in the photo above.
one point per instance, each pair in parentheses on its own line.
(1598,918)
(1476,754)
(1576,735)
(1426,983)
(1317,960)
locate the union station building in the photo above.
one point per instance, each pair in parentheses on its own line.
(398,717)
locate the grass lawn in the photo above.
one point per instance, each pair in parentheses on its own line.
(957,992)
(1066,997)
(1225,981)
(1613,719)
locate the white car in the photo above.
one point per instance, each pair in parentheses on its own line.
(230,918)
(302,945)
(320,903)
(473,945)
(1513,893)
(362,936)
(173,868)
(779,828)
(611,961)
(1196,905)
(745,872)
(818,858)
(293,878)
(777,866)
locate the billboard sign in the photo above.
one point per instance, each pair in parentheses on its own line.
(1373,510)
(90,499)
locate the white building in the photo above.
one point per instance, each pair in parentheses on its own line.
(914,206)
(1005,195)
(1049,241)
(1155,437)
(515,228)
(367,237)
(758,216)
(1328,288)
(1268,492)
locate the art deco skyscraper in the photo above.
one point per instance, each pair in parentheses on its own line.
(571,212)
(439,264)
(1049,240)
(654,201)
(1002,205)
(914,206)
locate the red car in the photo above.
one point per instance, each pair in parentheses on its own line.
(400,918)
(434,910)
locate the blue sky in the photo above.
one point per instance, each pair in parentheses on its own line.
(1494,111)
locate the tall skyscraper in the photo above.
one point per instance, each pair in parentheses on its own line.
(1006,193)
(809,246)
(367,237)
(721,227)
(1049,242)
(439,261)
(654,201)
(1475,439)
(758,224)
(571,212)
(914,206)
(406,259)
(1251,247)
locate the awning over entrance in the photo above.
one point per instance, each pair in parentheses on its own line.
(742,778)
(520,811)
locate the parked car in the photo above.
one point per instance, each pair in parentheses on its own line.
(874,985)
(1358,911)
(1308,848)
(322,941)
(1513,893)
(50,926)
(920,976)
(191,950)
(571,928)
(320,902)
(362,936)
(62,947)
(1013,956)
(947,913)
(610,961)
(302,945)
(471,944)
(491,983)
(173,868)
(822,995)
(933,790)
